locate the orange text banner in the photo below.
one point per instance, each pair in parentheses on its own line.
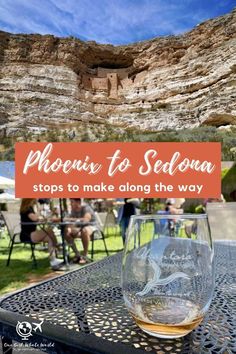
(111,170)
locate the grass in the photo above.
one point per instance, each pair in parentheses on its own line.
(21,273)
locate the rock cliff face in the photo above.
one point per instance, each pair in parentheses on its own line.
(168,82)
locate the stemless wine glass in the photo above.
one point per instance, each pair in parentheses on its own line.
(168,272)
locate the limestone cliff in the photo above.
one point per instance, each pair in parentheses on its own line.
(168,82)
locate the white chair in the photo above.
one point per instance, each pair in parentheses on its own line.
(222,220)
(101,219)
(2,226)
(98,233)
(110,225)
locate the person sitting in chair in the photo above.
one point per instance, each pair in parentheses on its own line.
(85,213)
(29,233)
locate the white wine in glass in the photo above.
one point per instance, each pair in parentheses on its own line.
(168,273)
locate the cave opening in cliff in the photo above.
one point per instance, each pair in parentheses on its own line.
(111,65)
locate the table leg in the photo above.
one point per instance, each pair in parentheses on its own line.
(6,345)
(65,254)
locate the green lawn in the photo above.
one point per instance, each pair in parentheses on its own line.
(21,273)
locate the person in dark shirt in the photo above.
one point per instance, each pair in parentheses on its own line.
(29,232)
(82,212)
(128,209)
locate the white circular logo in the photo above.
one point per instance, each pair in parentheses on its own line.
(24,329)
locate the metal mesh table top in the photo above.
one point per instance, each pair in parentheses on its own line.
(90,300)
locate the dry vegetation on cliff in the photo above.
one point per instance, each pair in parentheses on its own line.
(106,132)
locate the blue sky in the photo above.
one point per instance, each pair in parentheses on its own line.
(108,21)
(7,169)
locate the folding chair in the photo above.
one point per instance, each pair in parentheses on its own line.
(2,226)
(111,224)
(101,219)
(12,222)
(98,234)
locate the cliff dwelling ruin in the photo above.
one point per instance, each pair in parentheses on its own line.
(108,80)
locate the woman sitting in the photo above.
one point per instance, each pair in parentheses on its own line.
(29,233)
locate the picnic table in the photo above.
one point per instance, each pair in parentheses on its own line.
(83,311)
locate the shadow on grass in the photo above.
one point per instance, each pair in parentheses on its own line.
(20,269)
(4,251)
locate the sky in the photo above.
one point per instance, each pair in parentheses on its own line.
(108,21)
(7,169)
